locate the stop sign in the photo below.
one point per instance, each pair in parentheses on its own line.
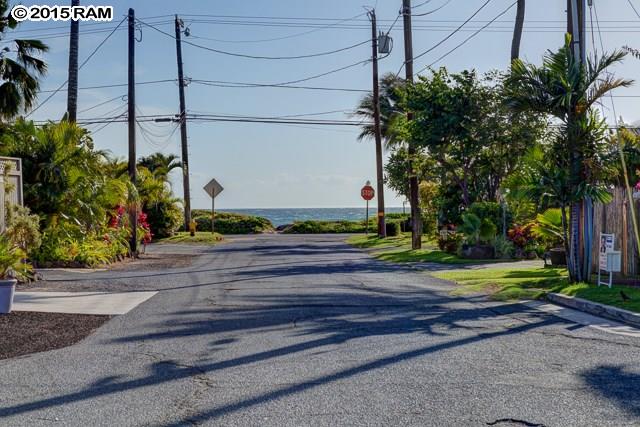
(367,192)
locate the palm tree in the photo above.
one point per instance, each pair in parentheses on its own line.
(517,31)
(20,69)
(388,110)
(160,164)
(567,89)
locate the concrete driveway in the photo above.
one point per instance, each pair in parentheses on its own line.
(304,330)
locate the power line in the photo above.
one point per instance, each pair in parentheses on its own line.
(467,39)
(79,68)
(432,11)
(634,8)
(246,85)
(290,36)
(113,85)
(242,55)
(446,38)
(123,96)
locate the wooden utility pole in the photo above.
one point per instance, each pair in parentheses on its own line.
(517,31)
(133,206)
(72,84)
(183,128)
(382,229)
(416,220)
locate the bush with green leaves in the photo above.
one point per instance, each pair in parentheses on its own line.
(13,263)
(23,228)
(164,218)
(328,227)
(505,248)
(392,228)
(476,230)
(231,223)
(547,228)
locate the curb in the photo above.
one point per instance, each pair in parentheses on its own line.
(597,309)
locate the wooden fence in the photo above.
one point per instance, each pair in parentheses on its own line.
(615,218)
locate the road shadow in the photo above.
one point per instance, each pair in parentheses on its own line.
(618,384)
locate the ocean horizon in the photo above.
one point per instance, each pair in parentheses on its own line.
(283,216)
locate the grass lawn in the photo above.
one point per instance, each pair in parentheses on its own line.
(532,283)
(398,249)
(201,238)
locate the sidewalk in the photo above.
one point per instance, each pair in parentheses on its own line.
(97,303)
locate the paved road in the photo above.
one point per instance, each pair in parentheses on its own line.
(293,331)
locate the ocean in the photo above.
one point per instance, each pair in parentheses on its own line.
(282,216)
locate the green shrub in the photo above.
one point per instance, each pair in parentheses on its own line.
(329,227)
(23,229)
(164,218)
(392,228)
(505,248)
(491,211)
(450,241)
(67,245)
(231,223)
(12,261)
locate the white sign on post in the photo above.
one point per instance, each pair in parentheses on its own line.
(607,244)
(606,254)
(213,188)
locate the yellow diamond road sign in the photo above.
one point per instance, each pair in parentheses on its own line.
(213,188)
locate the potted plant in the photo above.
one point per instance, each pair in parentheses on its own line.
(548,228)
(13,267)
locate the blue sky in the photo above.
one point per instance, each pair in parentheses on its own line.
(264,165)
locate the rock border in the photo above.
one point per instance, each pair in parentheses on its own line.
(597,309)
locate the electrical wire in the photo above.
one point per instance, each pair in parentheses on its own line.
(467,39)
(290,36)
(432,11)
(242,55)
(432,48)
(123,97)
(115,85)
(634,8)
(79,68)
(218,83)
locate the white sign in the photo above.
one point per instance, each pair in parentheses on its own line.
(213,188)
(606,245)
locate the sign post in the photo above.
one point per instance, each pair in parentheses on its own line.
(213,188)
(367,193)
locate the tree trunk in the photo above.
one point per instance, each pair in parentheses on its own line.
(517,32)
(565,234)
(72,86)
(575,242)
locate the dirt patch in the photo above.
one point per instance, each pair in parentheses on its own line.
(26,332)
(146,262)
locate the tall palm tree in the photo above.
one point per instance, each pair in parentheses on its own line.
(388,110)
(20,69)
(567,89)
(517,31)
(160,164)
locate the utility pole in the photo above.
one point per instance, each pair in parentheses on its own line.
(183,128)
(72,85)
(416,220)
(133,208)
(382,229)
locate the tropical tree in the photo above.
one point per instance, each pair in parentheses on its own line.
(160,164)
(567,89)
(389,111)
(20,68)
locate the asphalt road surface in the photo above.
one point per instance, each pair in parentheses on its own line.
(304,330)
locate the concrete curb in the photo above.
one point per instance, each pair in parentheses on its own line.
(602,310)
